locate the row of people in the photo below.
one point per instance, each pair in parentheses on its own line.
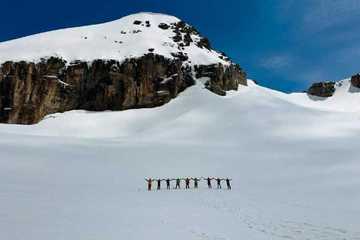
(187,182)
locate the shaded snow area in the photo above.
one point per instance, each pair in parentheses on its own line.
(80,175)
(129,37)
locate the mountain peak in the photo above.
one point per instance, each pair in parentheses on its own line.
(129,37)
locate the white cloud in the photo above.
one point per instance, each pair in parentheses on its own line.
(276,62)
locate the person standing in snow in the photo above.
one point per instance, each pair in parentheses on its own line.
(218,181)
(149,181)
(196,181)
(158,184)
(228,183)
(168,183)
(187,183)
(177,183)
(208,180)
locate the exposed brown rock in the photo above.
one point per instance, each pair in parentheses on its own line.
(221,78)
(355,80)
(322,89)
(30,91)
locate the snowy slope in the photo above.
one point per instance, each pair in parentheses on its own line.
(117,40)
(80,175)
(345,98)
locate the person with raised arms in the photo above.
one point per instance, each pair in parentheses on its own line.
(196,182)
(149,182)
(177,186)
(187,183)
(218,181)
(159,183)
(168,183)
(208,180)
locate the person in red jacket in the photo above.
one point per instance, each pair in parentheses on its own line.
(149,182)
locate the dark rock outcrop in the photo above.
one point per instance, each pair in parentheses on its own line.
(164,26)
(322,89)
(355,80)
(29,91)
(221,78)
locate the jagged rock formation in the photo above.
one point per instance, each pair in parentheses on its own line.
(30,91)
(355,80)
(220,78)
(322,89)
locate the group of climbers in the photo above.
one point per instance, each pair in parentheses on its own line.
(187,182)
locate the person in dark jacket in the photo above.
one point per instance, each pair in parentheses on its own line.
(218,181)
(158,184)
(149,182)
(167,183)
(177,183)
(196,182)
(187,183)
(228,183)
(208,180)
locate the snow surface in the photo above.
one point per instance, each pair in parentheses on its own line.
(345,99)
(116,40)
(80,175)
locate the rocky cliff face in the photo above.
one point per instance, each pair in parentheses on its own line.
(30,91)
(155,57)
(322,89)
(355,80)
(221,79)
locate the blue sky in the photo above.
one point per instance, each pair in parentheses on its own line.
(283,44)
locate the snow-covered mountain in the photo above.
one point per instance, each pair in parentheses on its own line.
(129,37)
(293,158)
(142,60)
